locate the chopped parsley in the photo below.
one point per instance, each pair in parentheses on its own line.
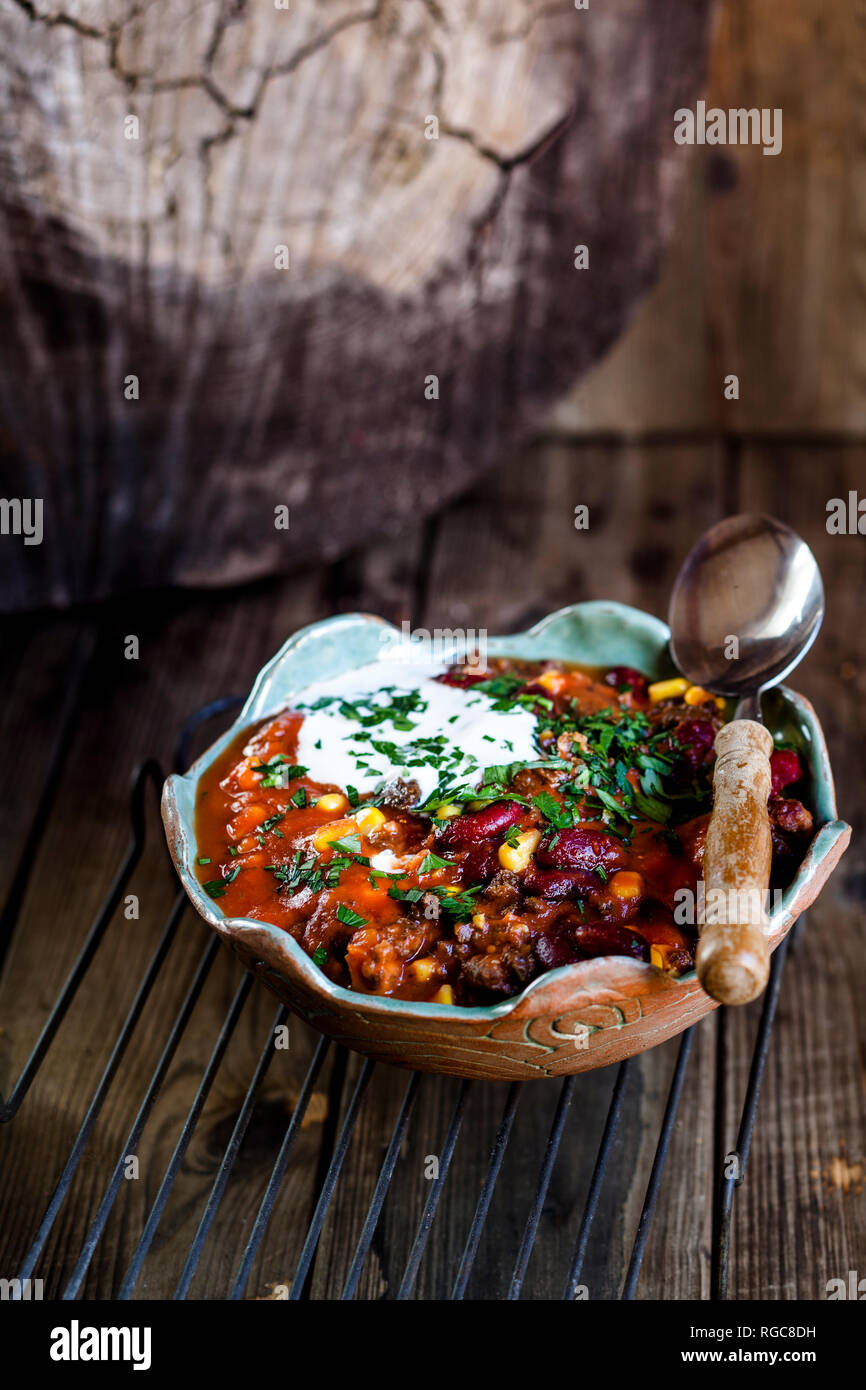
(622,768)
(369,711)
(460,906)
(308,871)
(502,773)
(376,875)
(406,895)
(559,814)
(500,688)
(611,804)
(349,844)
(432,862)
(279,771)
(350,918)
(613,745)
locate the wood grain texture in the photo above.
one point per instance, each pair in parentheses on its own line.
(810,1143)
(409,257)
(502,558)
(765,271)
(733,956)
(798,1218)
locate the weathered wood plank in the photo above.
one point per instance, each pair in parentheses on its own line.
(763,275)
(130,709)
(39,693)
(501,558)
(804,1186)
(517,552)
(277,251)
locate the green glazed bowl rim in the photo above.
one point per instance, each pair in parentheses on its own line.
(596,632)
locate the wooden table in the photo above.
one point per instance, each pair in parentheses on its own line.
(762,280)
(77,715)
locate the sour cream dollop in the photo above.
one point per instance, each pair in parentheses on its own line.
(394,719)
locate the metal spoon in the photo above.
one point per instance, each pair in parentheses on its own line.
(746,607)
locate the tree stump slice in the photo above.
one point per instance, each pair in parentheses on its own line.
(158,156)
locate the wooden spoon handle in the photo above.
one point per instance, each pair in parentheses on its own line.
(733,957)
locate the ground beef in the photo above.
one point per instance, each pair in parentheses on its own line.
(504,973)
(400,794)
(529,781)
(503,888)
(790,816)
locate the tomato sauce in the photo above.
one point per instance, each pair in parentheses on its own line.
(451,879)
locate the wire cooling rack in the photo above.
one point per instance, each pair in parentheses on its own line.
(348,1102)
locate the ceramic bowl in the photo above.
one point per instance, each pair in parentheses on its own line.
(572,1019)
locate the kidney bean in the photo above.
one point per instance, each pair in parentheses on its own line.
(697,738)
(609,939)
(479,864)
(627,675)
(553,951)
(784,857)
(785,768)
(552,884)
(580,849)
(465,831)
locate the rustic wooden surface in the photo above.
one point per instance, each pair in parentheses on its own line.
(765,276)
(799,1220)
(282,235)
(765,272)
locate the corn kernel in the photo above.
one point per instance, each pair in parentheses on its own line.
(449,811)
(423,969)
(668,690)
(444,995)
(696,695)
(332,801)
(626,884)
(368,818)
(516,857)
(552,681)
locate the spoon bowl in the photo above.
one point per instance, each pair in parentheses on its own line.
(746,607)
